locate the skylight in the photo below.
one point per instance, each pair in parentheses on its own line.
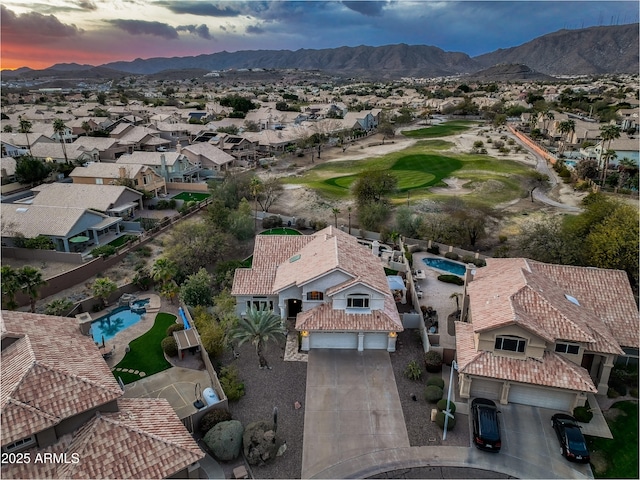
(572,299)
(295,258)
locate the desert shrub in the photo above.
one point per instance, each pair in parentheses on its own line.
(433,361)
(479,262)
(440,421)
(501,252)
(442,405)
(413,371)
(433,393)
(448,278)
(272,221)
(143,251)
(467,259)
(451,255)
(612,393)
(104,251)
(434,249)
(435,380)
(502,238)
(176,327)
(169,346)
(212,418)
(231,384)
(633,392)
(583,414)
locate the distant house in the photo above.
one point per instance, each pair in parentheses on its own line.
(542,334)
(137,138)
(99,149)
(60,398)
(172,166)
(207,155)
(141,176)
(334,288)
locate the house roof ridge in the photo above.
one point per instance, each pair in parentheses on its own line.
(44,364)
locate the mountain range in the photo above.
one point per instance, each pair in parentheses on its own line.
(589,51)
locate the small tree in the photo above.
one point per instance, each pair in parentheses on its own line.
(258,327)
(59,306)
(10,286)
(102,288)
(30,281)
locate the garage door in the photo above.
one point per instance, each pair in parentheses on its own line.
(481,387)
(540,397)
(375,341)
(347,340)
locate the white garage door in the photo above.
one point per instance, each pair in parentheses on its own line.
(376,341)
(346,340)
(540,397)
(483,388)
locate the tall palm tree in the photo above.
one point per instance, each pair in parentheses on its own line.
(336,212)
(170,290)
(30,280)
(103,288)
(86,126)
(163,270)
(547,116)
(25,127)
(566,127)
(60,129)
(608,133)
(258,327)
(10,286)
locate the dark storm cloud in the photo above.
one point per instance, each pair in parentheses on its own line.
(255,29)
(208,9)
(34,24)
(200,30)
(370,9)
(142,27)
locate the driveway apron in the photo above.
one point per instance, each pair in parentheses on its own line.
(352,408)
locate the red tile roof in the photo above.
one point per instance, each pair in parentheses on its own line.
(324,318)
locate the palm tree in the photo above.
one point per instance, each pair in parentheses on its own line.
(103,288)
(258,327)
(25,127)
(608,133)
(86,126)
(30,280)
(10,287)
(349,211)
(566,127)
(60,128)
(163,270)
(170,290)
(548,115)
(627,168)
(336,212)
(456,297)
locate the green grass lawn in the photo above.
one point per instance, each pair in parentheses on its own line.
(621,452)
(191,196)
(440,130)
(281,231)
(145,352)
(420,167)
(121,240)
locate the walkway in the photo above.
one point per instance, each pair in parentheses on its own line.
(352,408)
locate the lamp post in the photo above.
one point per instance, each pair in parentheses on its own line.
(447,412)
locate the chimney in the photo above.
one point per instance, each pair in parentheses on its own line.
(122,172)
(178,147)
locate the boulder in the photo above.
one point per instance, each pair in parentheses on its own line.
(259,441)
(225,440)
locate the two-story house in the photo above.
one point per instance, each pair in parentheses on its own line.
(207,155)
(542,334)
(335,288)
(172,166)
(142,177)
(63,410)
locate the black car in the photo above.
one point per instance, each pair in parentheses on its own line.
(572,443)
(486,426)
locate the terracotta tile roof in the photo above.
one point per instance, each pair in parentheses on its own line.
(49,373)
(538,297)
(324,318)
(144,439)
(551,371)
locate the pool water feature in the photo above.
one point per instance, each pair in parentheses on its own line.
(445,265)
(138,306)
(113,323)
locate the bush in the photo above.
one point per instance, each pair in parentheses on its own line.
(231,384)
(583,414)
(479,262)
(169,346)
(633,392)
(433,361)
(104,251)
(442,405)
(435,380)
(468,259)
(435,250)
(618,385)
(433,393)
(213,418)
(176,327)
(440,421)
(272,221)
(612,393)
(448,278)
(413,371)
(451,255)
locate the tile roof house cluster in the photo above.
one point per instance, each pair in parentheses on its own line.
(144,177)
(335,288)
(542,334)
(60,398)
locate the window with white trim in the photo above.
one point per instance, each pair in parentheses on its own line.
(571,348)
(315,296)
(510,344)
(358,300)
(260,303)
(20,444)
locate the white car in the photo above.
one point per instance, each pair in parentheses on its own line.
(162,149)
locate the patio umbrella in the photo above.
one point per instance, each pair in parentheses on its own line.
(79,239)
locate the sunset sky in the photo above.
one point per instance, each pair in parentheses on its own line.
(41,33)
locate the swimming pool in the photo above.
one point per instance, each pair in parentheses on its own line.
(116,321)
(446,265)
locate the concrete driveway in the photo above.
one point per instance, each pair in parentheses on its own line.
(352,408)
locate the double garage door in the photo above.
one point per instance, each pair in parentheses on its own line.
(523,394)
(347,340)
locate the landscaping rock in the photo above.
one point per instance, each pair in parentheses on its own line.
(225,440)
(259,442)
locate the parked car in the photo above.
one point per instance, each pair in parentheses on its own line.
(486,426)
(572,443)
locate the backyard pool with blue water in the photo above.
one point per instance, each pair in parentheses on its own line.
(117,320)
(445,265)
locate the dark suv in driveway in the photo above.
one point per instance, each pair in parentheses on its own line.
(572,443)
(486,426)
